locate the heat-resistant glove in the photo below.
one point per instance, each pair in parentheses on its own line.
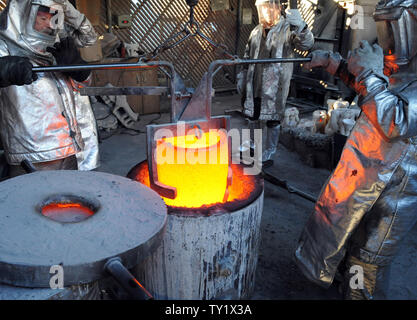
(327,60)
(294,18)
(366,60)
(66,53)
(16,71)
(72,16)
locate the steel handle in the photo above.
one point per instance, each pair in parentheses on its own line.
(119,272)
(105,66)
(215,66)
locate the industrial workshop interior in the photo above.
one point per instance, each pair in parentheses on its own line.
(237,150)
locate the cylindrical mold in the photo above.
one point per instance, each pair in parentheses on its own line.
(207,253)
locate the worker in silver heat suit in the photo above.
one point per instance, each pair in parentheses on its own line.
(265,87)
(368,205)
(43,118)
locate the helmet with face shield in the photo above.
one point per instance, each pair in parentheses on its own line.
(396,22)
(269,12)
(45,19)
(32,25)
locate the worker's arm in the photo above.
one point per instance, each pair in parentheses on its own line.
(301,35)
(82,31)
(392,115)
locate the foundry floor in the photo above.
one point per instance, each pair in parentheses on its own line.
(283,218)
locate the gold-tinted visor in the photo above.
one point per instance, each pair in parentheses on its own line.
(269,14)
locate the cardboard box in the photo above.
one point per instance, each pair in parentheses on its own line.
(93,53)
(91,9)
(131,78)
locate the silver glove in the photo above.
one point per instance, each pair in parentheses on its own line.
(73,17)
(294,18)
(327,60)
(366,60)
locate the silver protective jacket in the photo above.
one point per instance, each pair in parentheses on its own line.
(276,77)
(374,185)
(38,122)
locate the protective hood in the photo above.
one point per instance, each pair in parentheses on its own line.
(396,22)
(17,27)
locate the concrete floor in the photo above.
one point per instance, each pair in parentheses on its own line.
(283,218)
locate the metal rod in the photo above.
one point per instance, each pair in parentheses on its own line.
(284,184)
(119,272)
(125,91)
(109,16)
(109,66)
(80,67)
(233,62)
(258,61)
(237,35)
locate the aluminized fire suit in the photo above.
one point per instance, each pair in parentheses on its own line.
(369,203)
(46,120)
(267,86)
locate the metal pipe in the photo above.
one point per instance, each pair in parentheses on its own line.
(233,62)
(119,272)
(284,184)
(106,66)
(109,16)
(239,25)
(238,32)
(109,66)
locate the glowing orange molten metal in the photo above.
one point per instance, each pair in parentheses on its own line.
(66,212)
(241,189)
(197,166)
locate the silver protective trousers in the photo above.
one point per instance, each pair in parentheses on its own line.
(377,240)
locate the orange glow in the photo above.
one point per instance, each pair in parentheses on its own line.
(197,167)
(142,287)
(390,67)
(66,212)
(241,189)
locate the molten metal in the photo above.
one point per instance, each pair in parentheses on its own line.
(66,212)
(197,166)
(242,190)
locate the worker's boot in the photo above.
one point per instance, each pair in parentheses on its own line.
(270,143)
(364,281)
